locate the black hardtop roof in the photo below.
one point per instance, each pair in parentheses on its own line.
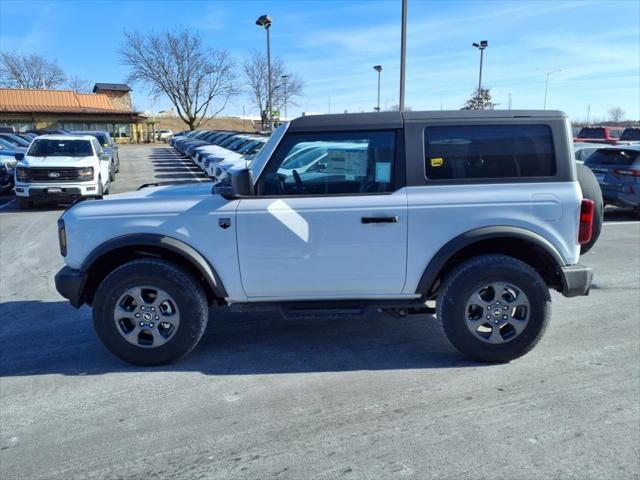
(373,120)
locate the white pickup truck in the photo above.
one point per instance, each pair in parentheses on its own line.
(62,168)
(480,213)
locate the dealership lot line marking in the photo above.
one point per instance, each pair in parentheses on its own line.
(7,204)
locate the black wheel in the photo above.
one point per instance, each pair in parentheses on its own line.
(150,312)
(494,308)
(100,191)
(112,175)
(23,203)
(591,190)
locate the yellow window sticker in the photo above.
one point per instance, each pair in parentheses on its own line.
(437,161)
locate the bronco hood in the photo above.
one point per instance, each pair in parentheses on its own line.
(152,201)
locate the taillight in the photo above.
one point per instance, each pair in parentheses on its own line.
(629,172)
(587,210)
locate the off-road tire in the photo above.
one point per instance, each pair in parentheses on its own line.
(465,279)
(591,190)
(180,285)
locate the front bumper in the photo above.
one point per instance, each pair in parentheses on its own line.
(70,284)
(43,190)
(576,280)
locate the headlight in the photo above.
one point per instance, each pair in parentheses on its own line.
(62,237)
(22,174)
(11,163)
(86,173)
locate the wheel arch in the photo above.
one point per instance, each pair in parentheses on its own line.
(117,251)
(520,243)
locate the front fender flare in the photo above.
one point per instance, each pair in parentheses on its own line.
(165,242)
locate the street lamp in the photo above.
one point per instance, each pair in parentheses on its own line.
(284,94)
(265,21)
(546,87)
(378,68)
(480,46)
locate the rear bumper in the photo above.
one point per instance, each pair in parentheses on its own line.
(70,284)
(576,280)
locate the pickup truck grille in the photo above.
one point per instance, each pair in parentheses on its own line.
(55,175)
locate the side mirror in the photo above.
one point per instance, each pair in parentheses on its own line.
(19,156)
(104,157)
(241,185)
(242,182)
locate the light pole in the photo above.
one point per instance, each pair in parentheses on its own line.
(403,54)
(480,46)
(284,94)
(265,21)
(378,68)
(546,86)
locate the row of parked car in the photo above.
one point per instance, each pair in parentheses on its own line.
(608,135)
(215,152)
(57,165)
(614,158)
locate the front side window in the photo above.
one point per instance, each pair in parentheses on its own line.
(60,148)
(331,164)
(488,152)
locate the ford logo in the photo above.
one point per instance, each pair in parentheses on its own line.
(54,174)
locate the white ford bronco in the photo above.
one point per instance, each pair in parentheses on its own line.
(477,213)
(62,168)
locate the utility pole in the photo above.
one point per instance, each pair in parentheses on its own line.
(403,54)
(546,86)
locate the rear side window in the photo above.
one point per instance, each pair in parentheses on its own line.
(613,156)
(489,151)
(630,134)
(591,132)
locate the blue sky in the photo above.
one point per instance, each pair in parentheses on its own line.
(333,45)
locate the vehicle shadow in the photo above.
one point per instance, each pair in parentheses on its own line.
(616,214)
(43,338)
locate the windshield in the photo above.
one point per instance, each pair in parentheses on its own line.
(46,147)
(17,141)
(101,137)
(613,156)
(630,134)
(246,148)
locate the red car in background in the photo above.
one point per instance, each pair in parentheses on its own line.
(609,135)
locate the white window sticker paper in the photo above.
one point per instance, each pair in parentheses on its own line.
(383,172)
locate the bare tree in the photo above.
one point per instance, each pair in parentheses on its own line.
(255,72)
(481,100)
(19,70)
(616,114)
(199,81)
(79,85)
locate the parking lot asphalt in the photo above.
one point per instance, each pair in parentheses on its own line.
(266,397)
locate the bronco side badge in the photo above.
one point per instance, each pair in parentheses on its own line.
(224,223)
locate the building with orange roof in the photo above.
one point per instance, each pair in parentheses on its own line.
(108,108)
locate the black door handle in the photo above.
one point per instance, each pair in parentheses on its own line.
(367,220)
